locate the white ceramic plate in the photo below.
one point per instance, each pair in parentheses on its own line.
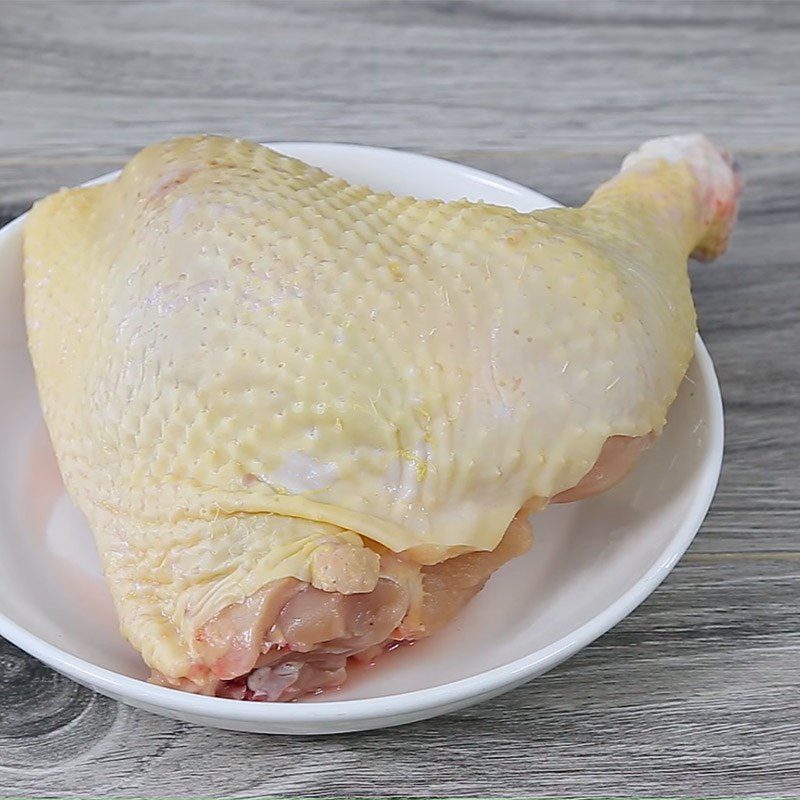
(591,565)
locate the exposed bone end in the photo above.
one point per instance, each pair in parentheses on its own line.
(718,178)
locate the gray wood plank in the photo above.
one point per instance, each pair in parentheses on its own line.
(695,694)
(109,77)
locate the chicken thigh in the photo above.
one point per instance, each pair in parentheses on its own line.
(306,420)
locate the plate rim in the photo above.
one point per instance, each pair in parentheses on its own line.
(418,701)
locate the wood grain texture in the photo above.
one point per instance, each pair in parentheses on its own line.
(698,692)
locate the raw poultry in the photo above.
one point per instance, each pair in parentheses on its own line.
(306,420)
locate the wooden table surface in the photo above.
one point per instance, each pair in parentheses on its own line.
(698,692)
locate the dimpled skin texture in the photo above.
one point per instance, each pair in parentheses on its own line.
(241,358)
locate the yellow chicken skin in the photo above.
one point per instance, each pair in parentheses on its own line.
(287,405)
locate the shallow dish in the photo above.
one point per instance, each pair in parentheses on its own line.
(592,562)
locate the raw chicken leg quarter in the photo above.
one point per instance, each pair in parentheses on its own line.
(306,420)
